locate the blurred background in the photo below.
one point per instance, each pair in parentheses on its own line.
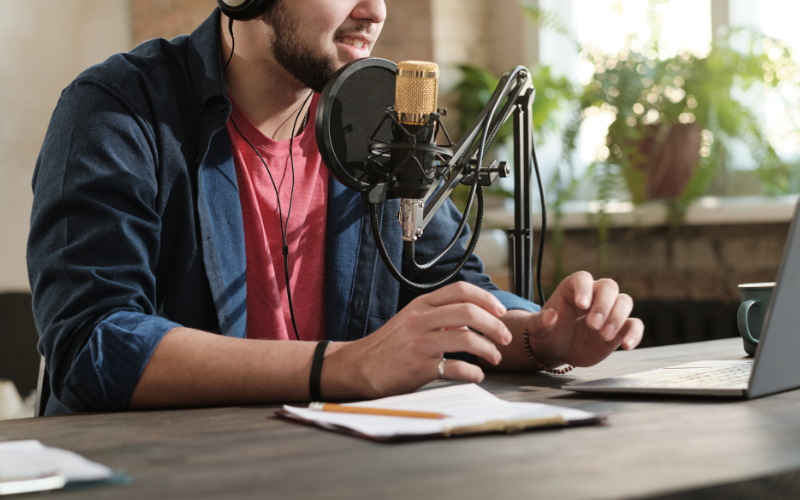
(668,132)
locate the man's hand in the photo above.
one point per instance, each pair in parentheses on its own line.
(404,354)
(583,322)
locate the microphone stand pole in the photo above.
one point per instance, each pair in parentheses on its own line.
(520,239)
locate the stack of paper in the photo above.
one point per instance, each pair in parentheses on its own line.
(469,408)
(27,466)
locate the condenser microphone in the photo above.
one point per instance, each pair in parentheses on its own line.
(369,122)
(377,123)
(415,102)
(376,129)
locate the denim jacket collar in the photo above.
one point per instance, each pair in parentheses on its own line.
(205,60)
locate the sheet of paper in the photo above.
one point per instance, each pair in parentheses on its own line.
(465,405)
(21,460)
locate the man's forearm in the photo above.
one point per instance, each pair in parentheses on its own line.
(195,368)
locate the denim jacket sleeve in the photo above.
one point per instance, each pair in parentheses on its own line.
(93,248)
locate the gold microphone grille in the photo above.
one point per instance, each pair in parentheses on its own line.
(416,92)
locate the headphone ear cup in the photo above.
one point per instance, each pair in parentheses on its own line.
(244,10)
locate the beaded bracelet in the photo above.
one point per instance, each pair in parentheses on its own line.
(541,366)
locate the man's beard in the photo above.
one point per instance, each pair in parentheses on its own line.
(313,70)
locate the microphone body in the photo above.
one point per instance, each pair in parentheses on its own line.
(416,99)
(416,91)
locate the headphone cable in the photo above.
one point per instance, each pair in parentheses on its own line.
(233,43)
(284,226)
(288,214)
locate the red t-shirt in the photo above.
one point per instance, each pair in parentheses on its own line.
(268,314)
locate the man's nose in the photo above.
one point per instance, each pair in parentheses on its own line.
(373,11)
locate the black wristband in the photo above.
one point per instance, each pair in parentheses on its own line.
(316,370)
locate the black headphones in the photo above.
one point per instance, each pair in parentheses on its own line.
(244,10)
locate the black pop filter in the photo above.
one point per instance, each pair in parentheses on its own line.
(351,107)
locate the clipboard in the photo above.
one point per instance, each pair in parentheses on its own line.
(474,411)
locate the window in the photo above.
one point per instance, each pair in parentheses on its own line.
(680,26)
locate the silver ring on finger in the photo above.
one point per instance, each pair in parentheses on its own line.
(441,369)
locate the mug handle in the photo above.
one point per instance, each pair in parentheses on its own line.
(741,320)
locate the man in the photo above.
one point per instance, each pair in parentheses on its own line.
(156,238)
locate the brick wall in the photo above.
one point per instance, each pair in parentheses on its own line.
(167,18)
(691,263)
(408,33)
(683,282)
(490,33)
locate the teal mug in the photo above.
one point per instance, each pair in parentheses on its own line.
(755,300)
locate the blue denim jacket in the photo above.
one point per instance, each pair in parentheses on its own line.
(137,228)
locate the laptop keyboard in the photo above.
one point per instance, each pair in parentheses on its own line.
(737,376)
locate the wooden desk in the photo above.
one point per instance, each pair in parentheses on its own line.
(651,446)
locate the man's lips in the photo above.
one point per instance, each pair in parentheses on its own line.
(355,44)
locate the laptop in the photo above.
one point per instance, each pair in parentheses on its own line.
(775,367)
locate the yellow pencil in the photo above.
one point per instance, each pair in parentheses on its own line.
(374,411)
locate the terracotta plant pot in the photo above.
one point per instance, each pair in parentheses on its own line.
(671,156)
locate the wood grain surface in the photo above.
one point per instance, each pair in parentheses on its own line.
(651,446)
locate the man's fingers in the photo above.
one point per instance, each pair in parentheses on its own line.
(462,292)
(462,341)
(578,289)
(459,315)
(616,317)
(631,333)
(606,292)
(462,371)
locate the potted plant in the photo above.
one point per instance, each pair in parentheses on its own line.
(676,119)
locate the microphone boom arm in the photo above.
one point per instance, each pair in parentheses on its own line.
(520,238)
(460,160)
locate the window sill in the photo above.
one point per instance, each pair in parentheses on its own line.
(708,210)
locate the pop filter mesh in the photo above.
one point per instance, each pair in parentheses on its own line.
(352,106)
